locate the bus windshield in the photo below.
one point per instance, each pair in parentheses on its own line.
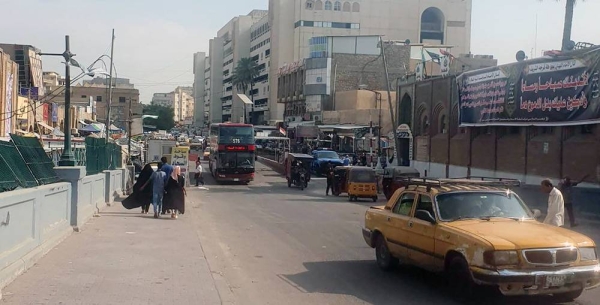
(236,135)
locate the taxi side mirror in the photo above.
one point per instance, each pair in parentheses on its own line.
(425,215)
(537,214)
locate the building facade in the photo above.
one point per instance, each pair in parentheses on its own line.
(30,65)
(9,84)
(260,52)
(183,105)
(200,61)
(294,22)
(163,99)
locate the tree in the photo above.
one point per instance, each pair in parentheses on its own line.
(568,27)
(243,77)
(165,115)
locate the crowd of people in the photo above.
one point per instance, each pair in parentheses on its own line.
(163,188)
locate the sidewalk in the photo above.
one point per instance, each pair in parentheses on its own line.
(122,257)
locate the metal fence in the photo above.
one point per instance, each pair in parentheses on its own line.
(101,156)
(24,163)
(78,153)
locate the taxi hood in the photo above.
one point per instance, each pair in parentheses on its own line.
(508,234)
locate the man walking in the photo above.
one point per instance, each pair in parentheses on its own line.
(198,174)
(158,179)
(556,204)
(329,173)
(566,188)
(167,168)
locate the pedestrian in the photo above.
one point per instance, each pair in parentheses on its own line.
(180,178)
(566,188)
(158,179)
(556,205)
(346,160)
(167,168)
(198,175)
(329,173)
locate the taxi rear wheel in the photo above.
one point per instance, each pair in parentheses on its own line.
(567,296)
(385,260)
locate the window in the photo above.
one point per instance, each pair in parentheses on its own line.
(347,7)
(337,6)
(318,5)
(425,126)
(355,7)
(425,204)
(465,205)
(318,24)
(84,96)
(99,98)
(404,205)
(443,125)
(328,5)
(122,99)
(309,5)
(355,26)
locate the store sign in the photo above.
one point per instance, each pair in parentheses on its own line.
(563,91)
(180,157)
(9,102)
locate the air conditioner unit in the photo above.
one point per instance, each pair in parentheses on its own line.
(317,118)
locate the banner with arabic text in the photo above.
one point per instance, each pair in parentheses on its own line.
(555,91)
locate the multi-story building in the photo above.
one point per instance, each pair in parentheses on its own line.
(199,88)
(260,52)
(30,65)
(93,96)
(294,22)
(207,92)
(163,99)
(183,104)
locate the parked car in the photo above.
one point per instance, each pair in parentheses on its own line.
(479,232)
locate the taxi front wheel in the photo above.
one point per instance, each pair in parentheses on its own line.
(460,281)
(567,297)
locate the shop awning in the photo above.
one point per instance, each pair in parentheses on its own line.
(90,128)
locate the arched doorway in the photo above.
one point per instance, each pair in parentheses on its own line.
(405,115)
(432,26)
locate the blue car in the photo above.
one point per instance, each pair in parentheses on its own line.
(324,157)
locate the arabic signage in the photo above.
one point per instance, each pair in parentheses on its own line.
(55,112)
(236,147)
(179,157)
(8,104)
(548,91)
(290,68)
(32,92)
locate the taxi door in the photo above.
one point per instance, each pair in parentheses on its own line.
(421,236)
(397,224)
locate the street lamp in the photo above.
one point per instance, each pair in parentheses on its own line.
(67,158)
(378,101)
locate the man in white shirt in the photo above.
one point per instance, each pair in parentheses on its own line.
(556,204)
(198,175)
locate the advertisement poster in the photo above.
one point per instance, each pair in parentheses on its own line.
(179,157)
(561,90)
(8,104)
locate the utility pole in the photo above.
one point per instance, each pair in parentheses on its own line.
(387,82)
(130,123)
(110,86)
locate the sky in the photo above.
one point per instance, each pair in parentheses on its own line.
(156,39)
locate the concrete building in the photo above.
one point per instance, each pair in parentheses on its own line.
(336,64)
(30,65)
(122,83)
(92,98)
(200,62)
(207,93)
(183,105)
(260,52)
(294,22)
(163,99)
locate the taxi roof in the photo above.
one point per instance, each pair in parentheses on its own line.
(469,184)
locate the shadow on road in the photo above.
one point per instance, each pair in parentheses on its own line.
(406,285)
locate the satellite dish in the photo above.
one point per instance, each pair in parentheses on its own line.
(407,42)
(521,55)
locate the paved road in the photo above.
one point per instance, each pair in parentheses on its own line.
(259,244)
(275,245)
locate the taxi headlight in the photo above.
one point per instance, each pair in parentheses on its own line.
(501,258)
(588,254)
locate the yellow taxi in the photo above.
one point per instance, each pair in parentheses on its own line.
(479,232)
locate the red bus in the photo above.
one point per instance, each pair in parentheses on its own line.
(232,150)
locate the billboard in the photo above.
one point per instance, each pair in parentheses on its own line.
(550,91)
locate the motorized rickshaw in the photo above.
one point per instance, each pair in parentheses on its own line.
(357,181)
(391,178)
(297,170)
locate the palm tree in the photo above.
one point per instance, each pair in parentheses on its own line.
(243,77)
(569,8)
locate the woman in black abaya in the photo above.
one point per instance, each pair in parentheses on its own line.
(175,197)
(140,198)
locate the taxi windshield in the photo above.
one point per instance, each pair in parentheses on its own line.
(327,155)
(481,205)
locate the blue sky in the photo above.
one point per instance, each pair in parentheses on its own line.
(156,38)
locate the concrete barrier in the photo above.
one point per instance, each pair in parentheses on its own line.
(87,193)
(274,165)
(114,185)
(32,222)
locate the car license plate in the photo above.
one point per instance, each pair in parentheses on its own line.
(236,179)
(556,280)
